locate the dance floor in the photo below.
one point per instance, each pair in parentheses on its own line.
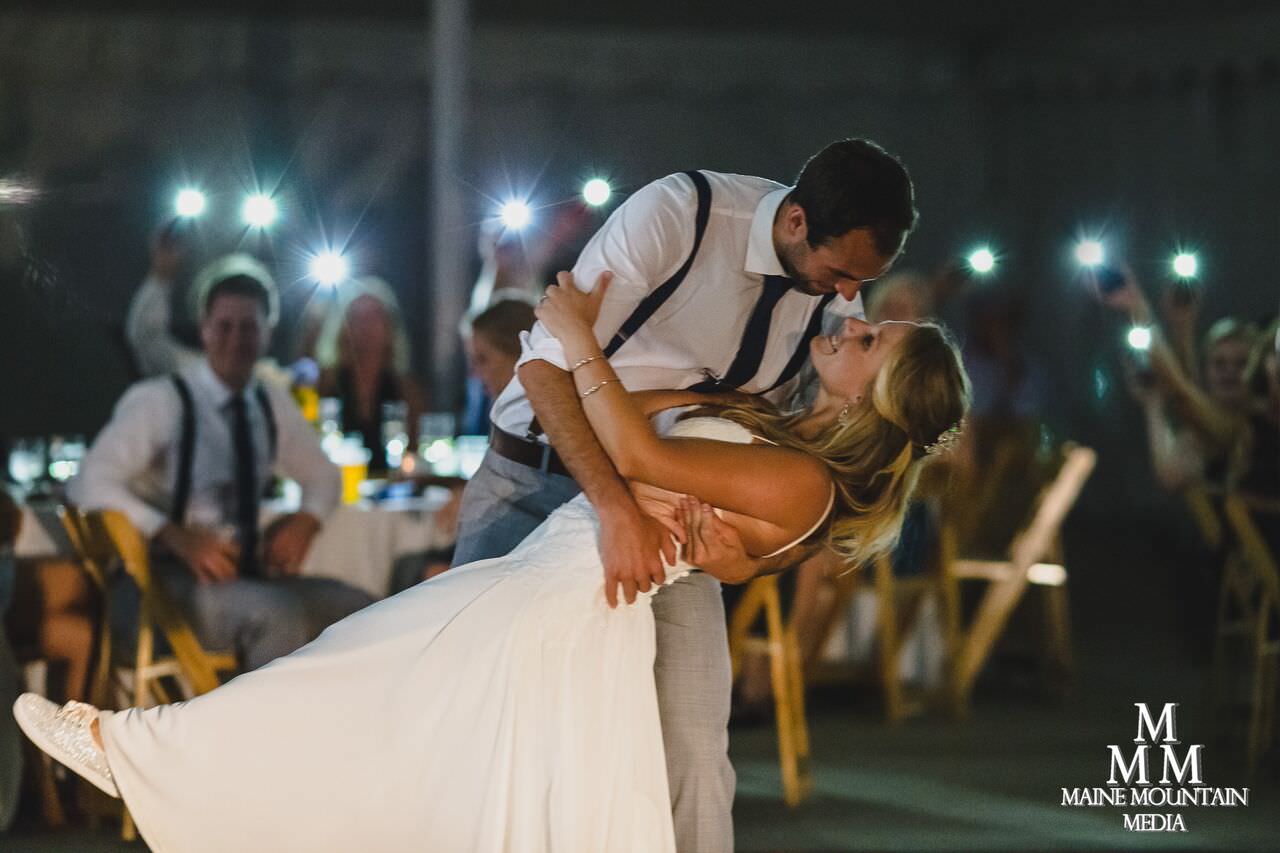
(995,781)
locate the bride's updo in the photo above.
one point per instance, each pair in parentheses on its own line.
(876,450)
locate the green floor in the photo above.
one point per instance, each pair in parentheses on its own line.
(993,782)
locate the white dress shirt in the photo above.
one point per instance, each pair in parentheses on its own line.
(155,349)
(132,465)
(697,331)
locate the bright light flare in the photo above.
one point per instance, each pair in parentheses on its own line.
(259,211)
(982,261)
(1140,338)
(329,268)
(596,192)
(515,214)
(16,192)
(1090,253)
(1185,265)
(189,203)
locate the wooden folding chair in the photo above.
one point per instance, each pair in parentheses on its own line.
(99,539)
(1034,559)
(900,605)
(1248,610)
(779,643)
(1208,520)
(95,559)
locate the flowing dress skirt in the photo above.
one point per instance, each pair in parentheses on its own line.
(501,706)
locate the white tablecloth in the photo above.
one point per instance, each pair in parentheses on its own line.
(358,544)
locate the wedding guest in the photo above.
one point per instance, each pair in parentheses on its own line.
(187,458)
(364,356)
(492,341)
(904,296)
(1196,432)
(55,615)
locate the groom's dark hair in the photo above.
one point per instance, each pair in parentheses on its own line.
(855,183)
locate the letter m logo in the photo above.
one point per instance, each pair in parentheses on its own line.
(1126,772)
(1149,731)
(1189,764)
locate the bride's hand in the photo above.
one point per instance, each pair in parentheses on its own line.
(567,312)
(714,545)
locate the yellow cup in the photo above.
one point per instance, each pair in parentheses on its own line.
(309,402)
(353,474)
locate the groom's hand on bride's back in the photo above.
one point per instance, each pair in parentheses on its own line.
(633,546)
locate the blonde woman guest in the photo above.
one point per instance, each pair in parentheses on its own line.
(364,357)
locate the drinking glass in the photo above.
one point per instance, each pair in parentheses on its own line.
(435,442)
(395,432)
(27,461)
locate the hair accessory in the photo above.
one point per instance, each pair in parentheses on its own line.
(949,439)
(594,388)
(585,361)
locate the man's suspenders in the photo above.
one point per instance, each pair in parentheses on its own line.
(187,444)
(655,300)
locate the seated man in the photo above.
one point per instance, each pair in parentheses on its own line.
(187,458)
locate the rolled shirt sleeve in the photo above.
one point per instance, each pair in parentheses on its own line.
(642,243)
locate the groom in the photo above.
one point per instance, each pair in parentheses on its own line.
(720,281)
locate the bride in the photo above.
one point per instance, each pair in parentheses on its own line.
(503,706)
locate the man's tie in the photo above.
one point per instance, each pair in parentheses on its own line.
(246,487)
(755,337)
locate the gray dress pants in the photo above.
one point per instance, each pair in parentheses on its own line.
(260,619)
(502,505)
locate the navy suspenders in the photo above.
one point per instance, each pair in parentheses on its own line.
(655,300)
(186,452)
(755,336)
(801,354)
(187,444)
(651,303)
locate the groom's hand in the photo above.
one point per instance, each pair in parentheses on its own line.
(632,548)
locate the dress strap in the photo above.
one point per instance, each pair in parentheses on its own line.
(831,502)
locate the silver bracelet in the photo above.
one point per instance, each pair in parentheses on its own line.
(585,361)
(594,388)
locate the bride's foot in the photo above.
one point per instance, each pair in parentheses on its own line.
(69,734)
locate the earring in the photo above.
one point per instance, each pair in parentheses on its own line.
(843,417)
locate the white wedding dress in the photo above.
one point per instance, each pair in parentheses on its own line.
(501,706)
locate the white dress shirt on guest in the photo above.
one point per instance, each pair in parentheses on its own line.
(132,465)
(155,349)
(696,333)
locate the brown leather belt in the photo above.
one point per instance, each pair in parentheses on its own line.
(533,454)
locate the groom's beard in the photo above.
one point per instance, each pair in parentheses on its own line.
(786,258)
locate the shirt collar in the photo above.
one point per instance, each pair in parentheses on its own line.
(218,392)
(762,258)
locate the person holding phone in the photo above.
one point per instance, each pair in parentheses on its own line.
(156,350)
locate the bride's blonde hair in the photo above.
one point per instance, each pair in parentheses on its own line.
(876,450)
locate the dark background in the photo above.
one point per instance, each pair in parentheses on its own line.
(1022,124)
